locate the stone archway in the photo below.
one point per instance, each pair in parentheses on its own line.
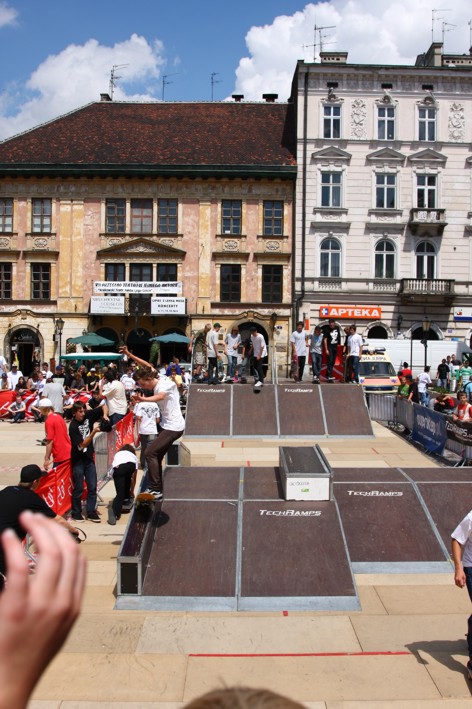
(27,343)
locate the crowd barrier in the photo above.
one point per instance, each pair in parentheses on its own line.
(435,431)
(56,487)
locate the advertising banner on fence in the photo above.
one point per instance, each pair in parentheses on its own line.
(56,488)
(429,429)
(459,431)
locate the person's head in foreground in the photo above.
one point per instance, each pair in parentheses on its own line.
(242,698)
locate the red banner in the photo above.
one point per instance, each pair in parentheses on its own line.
(8,397)
(56,488)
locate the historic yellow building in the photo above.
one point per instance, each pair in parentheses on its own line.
(132,220)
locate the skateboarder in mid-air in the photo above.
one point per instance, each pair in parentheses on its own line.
(462,557)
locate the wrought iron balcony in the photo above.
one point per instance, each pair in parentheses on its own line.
(427,221)
(432,289)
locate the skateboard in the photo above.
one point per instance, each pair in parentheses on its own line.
(145,500)
(257,390)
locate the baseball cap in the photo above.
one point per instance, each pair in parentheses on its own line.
(30,473)
(46,404)
(93,369)
(217,324)
(4,374)
(14,365)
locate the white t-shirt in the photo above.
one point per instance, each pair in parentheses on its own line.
(116,398)
(232,344)
(423,380)
(212,341)
(299,340)
(148,412)
(3,363)
(171,416)
(462,534)
(13,378)
(258,345)
(128,382)
(124,457)
(354,343)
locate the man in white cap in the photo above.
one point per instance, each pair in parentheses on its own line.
(57,439)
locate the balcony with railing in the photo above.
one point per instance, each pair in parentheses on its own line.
(440,290)
(427,221)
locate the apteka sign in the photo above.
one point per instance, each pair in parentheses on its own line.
(351,312)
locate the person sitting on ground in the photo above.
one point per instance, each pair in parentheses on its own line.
(36,411)
(95,400)
(5,384)
(77,383)
(403,390)
(125,466)
(444,403)
(175,364)
(15,499)
(463,411)
(92,380)
(17,410)
(21,386)
(67,405)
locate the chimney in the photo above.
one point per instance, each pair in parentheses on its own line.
(237,97)
(105,97)
(270,98)
(333,57)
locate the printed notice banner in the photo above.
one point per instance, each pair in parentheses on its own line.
(137,286)
(459,431)
(113,305)
(167,306)
(429,429)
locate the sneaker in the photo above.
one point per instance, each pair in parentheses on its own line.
(111,516)
(257,385)
(330,379)
(93,517)
(157,494)
(316,380)
(78,518)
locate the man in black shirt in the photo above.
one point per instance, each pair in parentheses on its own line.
(15,499)
(332,338)
(82,430)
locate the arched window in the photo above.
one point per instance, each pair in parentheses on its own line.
(385,259)
(425,260)
(330,258)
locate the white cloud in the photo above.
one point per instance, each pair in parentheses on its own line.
(78,75)
(383,32)
(8,14)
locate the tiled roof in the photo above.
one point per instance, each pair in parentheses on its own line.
(160,134)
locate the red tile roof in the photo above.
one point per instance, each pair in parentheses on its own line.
(160,134)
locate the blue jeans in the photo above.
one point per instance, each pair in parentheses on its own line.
(84,470)
(355,368)
(443,383)
(424,401)
(468,579)
(232,362)
(316,363)
(332,352)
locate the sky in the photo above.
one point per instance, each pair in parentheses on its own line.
(56,55)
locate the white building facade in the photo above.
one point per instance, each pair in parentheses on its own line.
(384,195)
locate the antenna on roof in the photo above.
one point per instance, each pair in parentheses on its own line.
(214,81)
(470,34)
(114,78)
(319,39)
(446,27)
(435,19)
(166,82)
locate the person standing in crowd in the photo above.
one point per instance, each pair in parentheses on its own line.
(332,338)
(57,438)
(259,351)
(442,375)
(454,366)
(405,371)
(354,352)
(463,410)
(128,382)
(232,342)
(148,417)
(403,389)
(413,395)
(172,422)
(114,392)
(461,545)
(299,342)
(14,375)
(316,351)
(213,352)
(3,364)
(424,381)
(54,391)
(125,466)
(15,499)
(82,430)
(198,341)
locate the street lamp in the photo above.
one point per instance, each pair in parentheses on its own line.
(59,328)
(426,325)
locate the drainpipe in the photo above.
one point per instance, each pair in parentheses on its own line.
(304,180)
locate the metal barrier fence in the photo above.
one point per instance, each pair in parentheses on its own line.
(396,411)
